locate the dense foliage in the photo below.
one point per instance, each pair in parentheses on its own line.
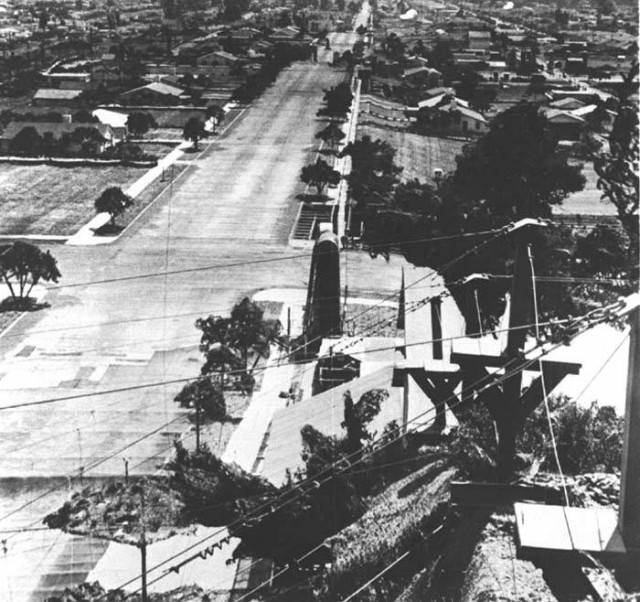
(337,102)
(139,123)
(516,170)
(204,395)
(193,130)
(589,439)
(339,475)
(215,493)
(113,201)
(319,175)
(331,135)
(233,345)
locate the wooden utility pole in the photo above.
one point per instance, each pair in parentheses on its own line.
(508,412)
(143,546)
(197,427)
(507,403)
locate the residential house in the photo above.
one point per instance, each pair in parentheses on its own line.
(54,97)
(114,119)
(154,94)
(564,124)
(448,115)
(219,58)
(423,77)
(605,118)
(567,104)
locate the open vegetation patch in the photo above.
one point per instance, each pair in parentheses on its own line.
(47,200)
(418,155)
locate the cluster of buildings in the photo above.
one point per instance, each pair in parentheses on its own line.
(450,71)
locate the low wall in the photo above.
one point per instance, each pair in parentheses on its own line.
(75,162)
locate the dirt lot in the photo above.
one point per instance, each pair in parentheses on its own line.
(419,155)
(48,200)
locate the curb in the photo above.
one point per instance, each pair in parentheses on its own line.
(96,241)
(13,323)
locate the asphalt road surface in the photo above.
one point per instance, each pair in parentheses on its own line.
(124,313)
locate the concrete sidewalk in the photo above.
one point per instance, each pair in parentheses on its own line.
(86,234)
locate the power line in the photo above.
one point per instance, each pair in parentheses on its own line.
(356,457)
(233,372)
(220,266)
(586,322)
(93,465)
(431,275)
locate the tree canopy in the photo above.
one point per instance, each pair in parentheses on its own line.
(139,123)
(618,169)
(337,101)
(215,112)
(23,266)
(193,130)
(203,395)
(331,135)
(374,173)
(319,175)
(517,168)
(113,201)
(236,343)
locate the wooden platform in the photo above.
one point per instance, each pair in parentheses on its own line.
(541,528)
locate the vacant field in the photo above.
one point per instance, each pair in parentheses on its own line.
(48,200)
(419,155)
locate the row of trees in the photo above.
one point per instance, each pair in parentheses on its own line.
(337,104)
(83,142)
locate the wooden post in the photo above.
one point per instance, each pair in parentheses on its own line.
(629,516)
(143,548)
(436,327)
(520,314)
(197,427)
(401,305)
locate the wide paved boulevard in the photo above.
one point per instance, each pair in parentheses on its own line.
(123,314)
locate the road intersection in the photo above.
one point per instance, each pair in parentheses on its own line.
(123,313)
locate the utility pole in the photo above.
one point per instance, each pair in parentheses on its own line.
(197,426)
(520,312)
(143,545)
